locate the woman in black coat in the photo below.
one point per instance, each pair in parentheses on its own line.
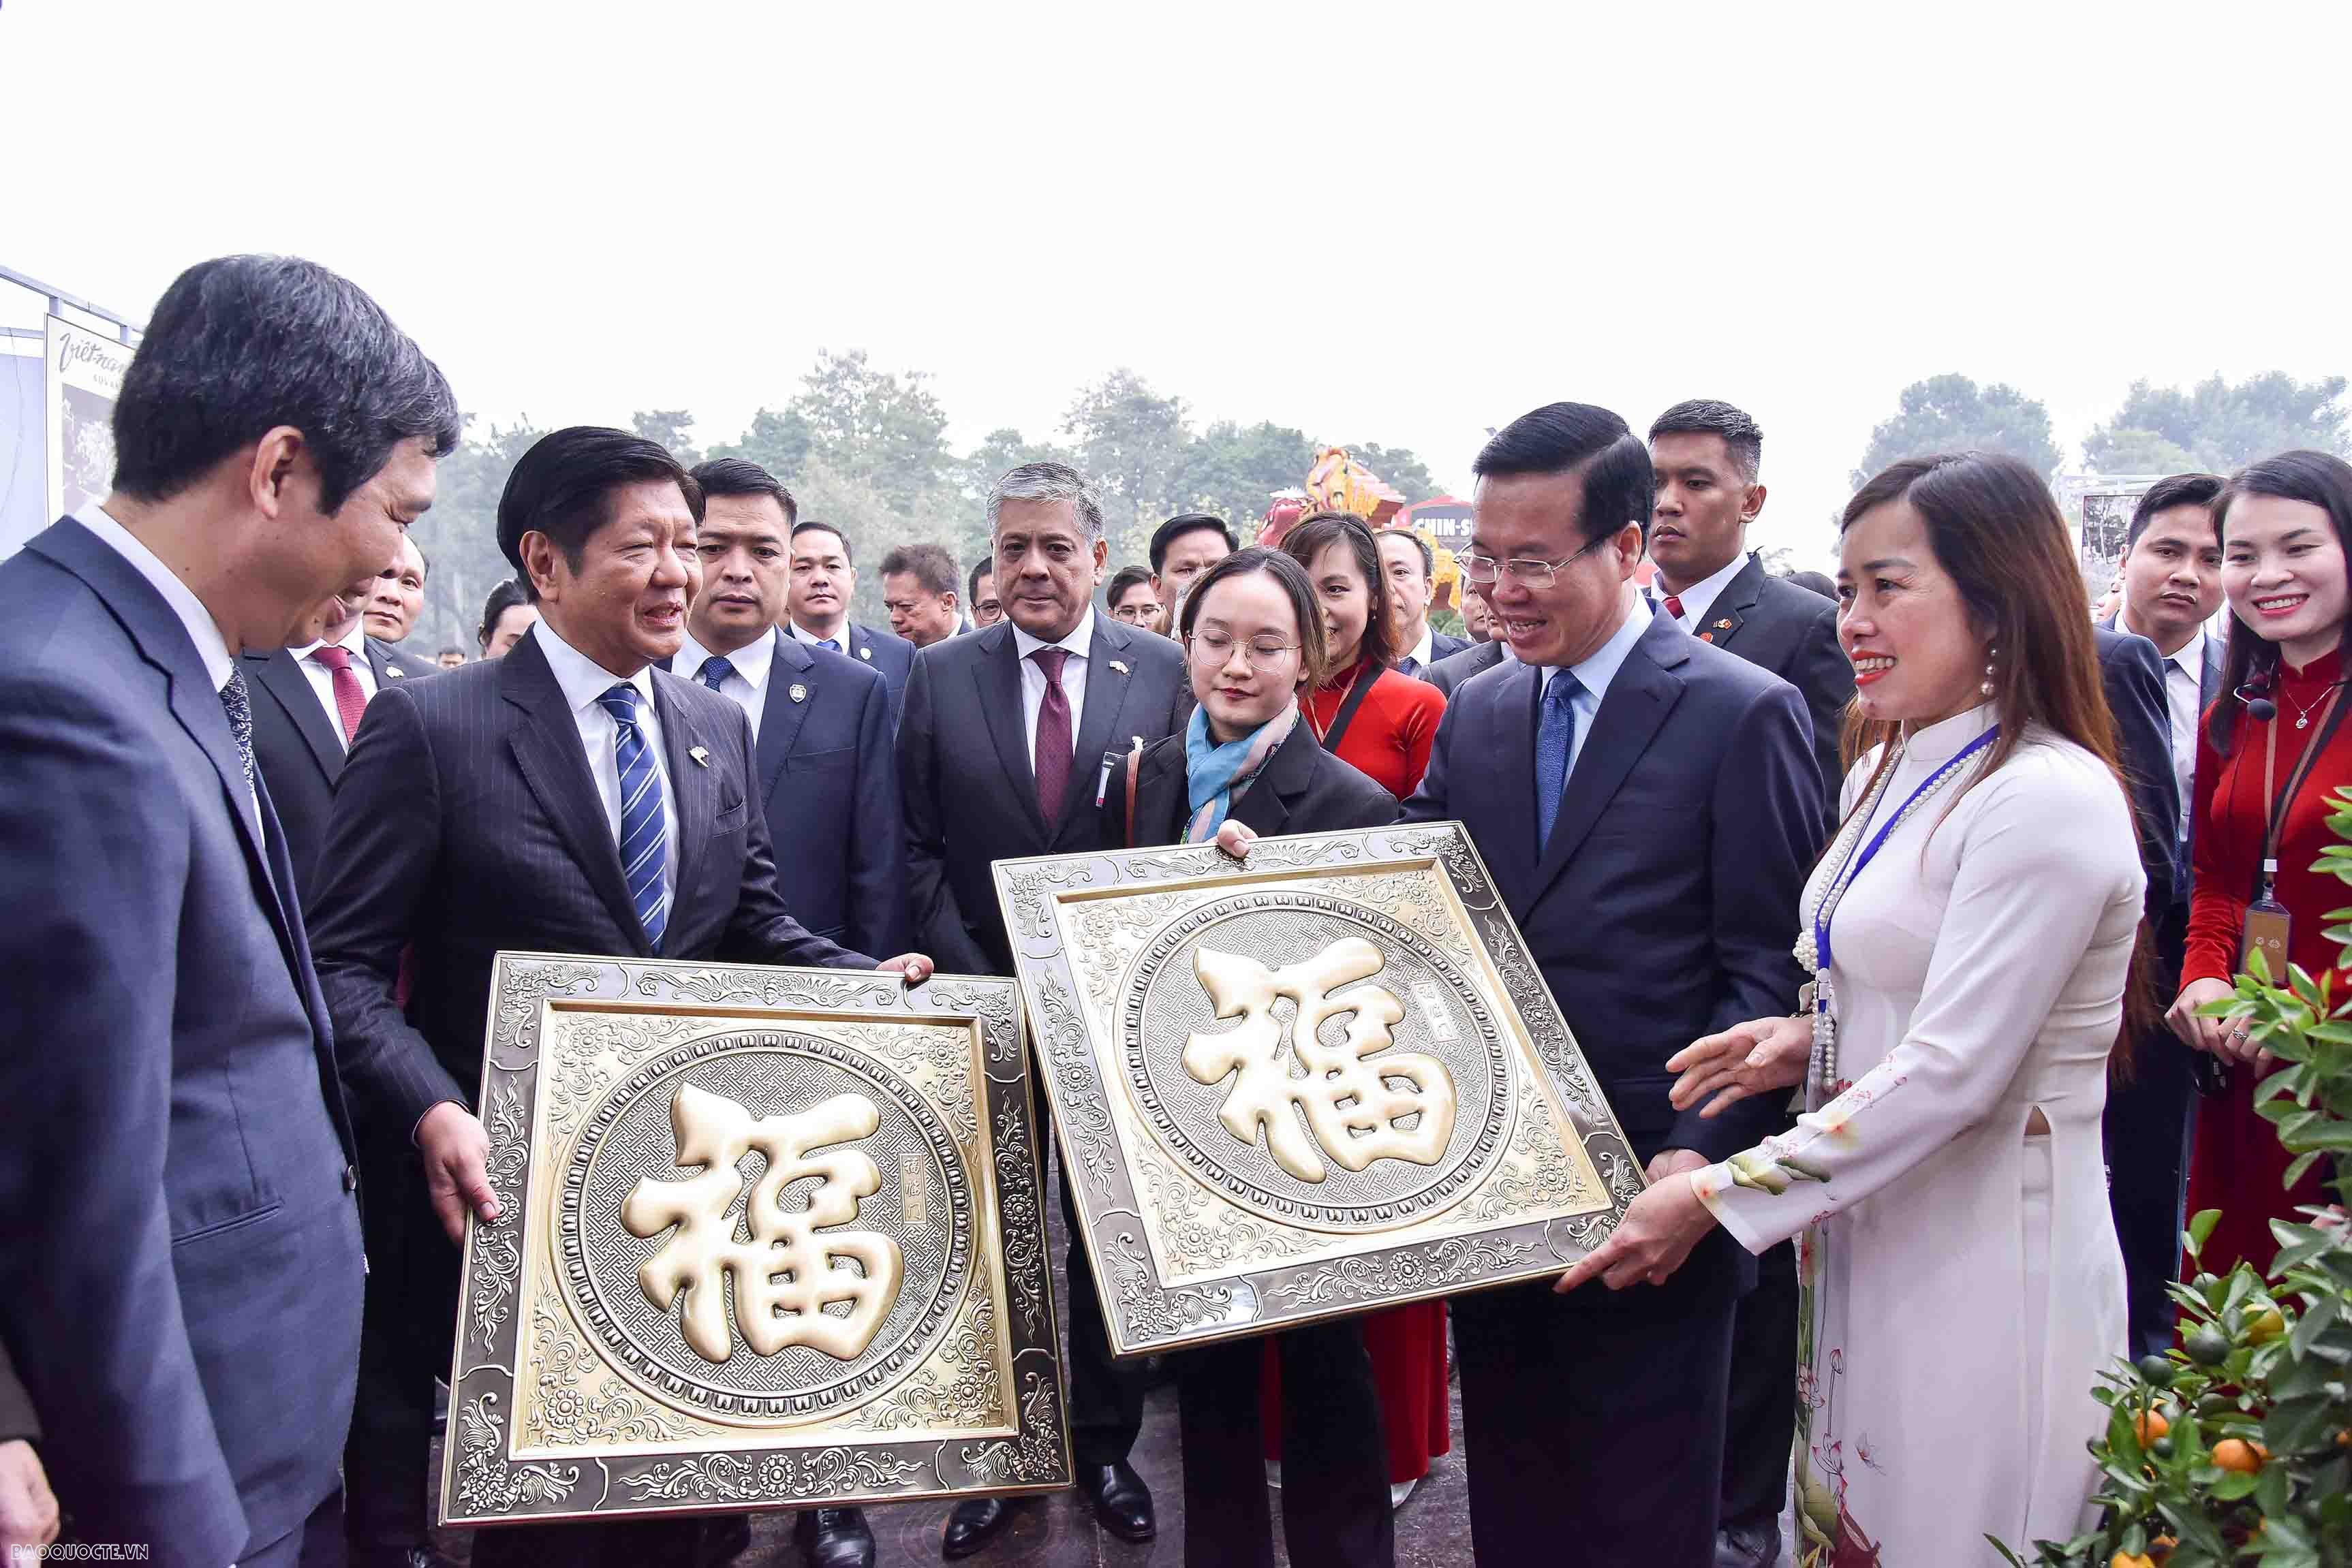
(1246,765)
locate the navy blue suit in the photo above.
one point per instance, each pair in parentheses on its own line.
(2151,1114)
(465,821)
(180,1281)
(884,651)
(829,780)
(1663,909)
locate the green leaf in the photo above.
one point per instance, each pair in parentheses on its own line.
(2200,1229)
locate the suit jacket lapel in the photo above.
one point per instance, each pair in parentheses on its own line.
(1265,805)
(997,672)
(1639,696)
(1514,755)
(781,718)
(281,676)
(1161,808)
(546,745)
(1107,683)
(1737,598)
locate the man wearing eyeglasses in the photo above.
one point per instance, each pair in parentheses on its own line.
(1649,805)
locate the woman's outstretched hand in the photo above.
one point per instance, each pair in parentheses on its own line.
(1752,1058)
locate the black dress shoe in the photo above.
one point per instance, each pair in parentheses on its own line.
(834,1538)
(973,1523)
(1122,1502)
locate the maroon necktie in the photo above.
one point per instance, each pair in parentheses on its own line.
(1675,605)
(1054,739)
(350,701)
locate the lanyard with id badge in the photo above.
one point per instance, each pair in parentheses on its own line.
(2269,927)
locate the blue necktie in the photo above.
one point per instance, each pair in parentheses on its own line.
(828,643)
(1555,733)
(645,858)
(715,670)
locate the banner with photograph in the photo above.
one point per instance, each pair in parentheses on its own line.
(85,377)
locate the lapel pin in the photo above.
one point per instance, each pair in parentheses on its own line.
(1724,624)
(867,654)
(394,670)
(702,757)
(799,693)
(1119,664)
(1706,637)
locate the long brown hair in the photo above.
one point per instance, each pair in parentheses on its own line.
(1998,533)
(1317,531)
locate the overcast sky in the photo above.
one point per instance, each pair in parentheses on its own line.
(1402,223)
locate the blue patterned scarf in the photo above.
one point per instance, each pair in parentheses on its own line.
(1215,776)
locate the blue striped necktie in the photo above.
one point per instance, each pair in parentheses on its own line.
(1555,741)
(644,856)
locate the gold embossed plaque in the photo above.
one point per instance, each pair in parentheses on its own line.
(769,1238)
(1325,1079)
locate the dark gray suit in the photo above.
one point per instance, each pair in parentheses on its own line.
(1776,625)
(181,1282)
(1448,673)
(967,792)
(465,821)
(1441,646)
(1660,911)
(295,744)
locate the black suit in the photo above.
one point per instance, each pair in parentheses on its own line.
(465,821)
(1441,646)
(890,655)
(1335,1497)
(829,781)
(1775,625)
(1448,673)
(1661,909)
(968,791)
(2151,1114)
(298,746)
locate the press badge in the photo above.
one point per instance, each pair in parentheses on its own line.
(2268,927)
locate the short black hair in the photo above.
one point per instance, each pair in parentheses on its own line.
(243,344)
(985,566)
(561,487)
(1428,556)
(813,526)
(741,476)
(929,565)
(1124,578)
(2176,490)
(1165,535)
(1742,436)
(451,648)
(1568,437)
(508,595)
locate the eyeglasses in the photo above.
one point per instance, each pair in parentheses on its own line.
(1214,648)
(1483,569)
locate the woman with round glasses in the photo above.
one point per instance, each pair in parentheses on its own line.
(1254,641)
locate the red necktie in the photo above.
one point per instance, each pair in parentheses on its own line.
(1675,605)
(350,701)
(1054,739)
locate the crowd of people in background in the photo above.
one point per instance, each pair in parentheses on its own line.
(1856,892)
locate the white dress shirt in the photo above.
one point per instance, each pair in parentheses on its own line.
(747,685)
(322,679)
(1594,674)
(1081,642)
(840,638)
(1419,652)
(583,681)
(212,648)
(2184,695)
(1700,596)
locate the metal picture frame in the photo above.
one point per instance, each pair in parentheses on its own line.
(1453,1138)
(609,1361)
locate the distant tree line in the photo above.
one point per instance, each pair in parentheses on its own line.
(866,450)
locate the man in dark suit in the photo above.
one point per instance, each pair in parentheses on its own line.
(181,1283)
(1409,566)
(1650,806)
(307,701)
(568,798)
(1707,457)
(1004,751)
(822,579)
(2172,586)
(1448,673)
(1181,549)
(821,720)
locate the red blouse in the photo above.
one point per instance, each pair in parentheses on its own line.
(1394,727)
(2238,1162)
